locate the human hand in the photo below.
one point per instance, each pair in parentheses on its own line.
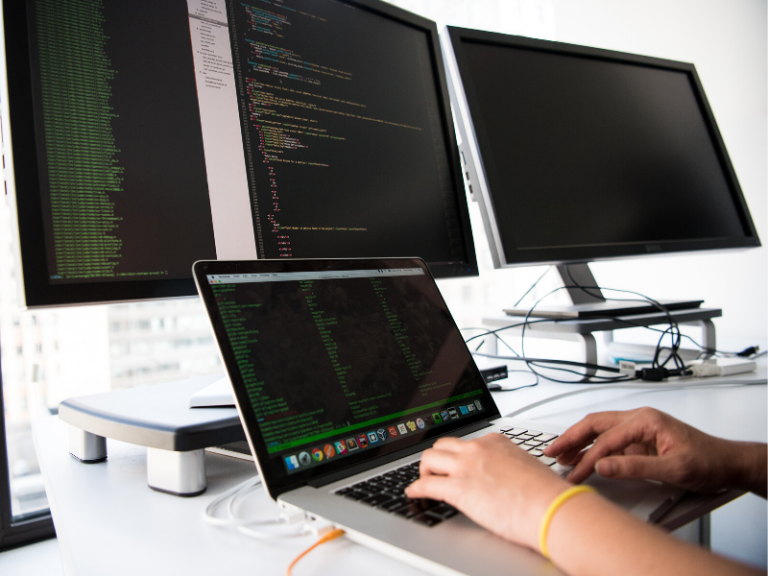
(646,443)
(491,480)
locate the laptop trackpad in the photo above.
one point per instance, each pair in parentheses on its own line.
(646,500)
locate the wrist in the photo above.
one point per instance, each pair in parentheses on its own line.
(553,509)
(575,520)
(536,510)
(752,467)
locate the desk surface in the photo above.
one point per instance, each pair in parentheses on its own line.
(108,521)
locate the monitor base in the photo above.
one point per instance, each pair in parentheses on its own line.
(589,302)
(604,309)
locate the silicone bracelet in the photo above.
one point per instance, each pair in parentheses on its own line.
(552,510)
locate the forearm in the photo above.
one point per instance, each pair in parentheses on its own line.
(590,536)
(750,467)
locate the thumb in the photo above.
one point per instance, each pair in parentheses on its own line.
(647,467)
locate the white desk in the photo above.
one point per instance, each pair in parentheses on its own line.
(108,521)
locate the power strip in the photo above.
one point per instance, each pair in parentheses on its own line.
(721,367)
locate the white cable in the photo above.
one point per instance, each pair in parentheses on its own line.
(209,515)
(279,530)
(231,505)
(285,525)
(643,386)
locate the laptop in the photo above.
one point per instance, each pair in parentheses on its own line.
(343,372)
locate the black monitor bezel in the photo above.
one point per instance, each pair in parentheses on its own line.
(37,290)
(579,254)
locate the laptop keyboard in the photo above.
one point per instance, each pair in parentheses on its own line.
(387,491)
(532,441)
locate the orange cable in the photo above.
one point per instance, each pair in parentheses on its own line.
(333,534)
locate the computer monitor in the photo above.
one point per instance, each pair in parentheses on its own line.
(578,154)
(125,156)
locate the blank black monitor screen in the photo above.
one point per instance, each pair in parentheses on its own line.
(128,155)
(591,154)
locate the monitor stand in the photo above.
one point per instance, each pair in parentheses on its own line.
(591,312)
(589,302)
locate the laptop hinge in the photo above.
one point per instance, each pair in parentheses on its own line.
(397,455)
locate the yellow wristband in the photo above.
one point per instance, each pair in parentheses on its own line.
(552,510)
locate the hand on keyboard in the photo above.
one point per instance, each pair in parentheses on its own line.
(646,443)
(492,481)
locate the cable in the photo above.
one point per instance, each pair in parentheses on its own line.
(645,386)
(287,529)
(658,368)
(332,535)
(750,352)
(526,322)
(503,328)
(673,325)
(547,361)
(285,525)
(209,515)
(657,372)
(532,287)
(232,504)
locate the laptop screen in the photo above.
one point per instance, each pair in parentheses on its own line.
(335,362)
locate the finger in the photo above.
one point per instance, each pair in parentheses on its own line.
(438,461)
(436,487)
(450,444)
(640,450)
(568,458)
(583,433)
(610,442)
(580,471)
(649,467)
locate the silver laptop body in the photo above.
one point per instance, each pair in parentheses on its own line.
(345,370)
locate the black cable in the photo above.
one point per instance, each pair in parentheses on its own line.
(672,322)
(673,330)
(581,364)
(503,328)
(658,368)
(532,287)
(543,360)
(746,353)
(500,339)
(551,361)
(539,360)
(494,333)
(536,383)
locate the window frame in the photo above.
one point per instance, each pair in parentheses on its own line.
(25,529)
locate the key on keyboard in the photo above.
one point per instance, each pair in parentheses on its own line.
(387,492)
(532,441)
